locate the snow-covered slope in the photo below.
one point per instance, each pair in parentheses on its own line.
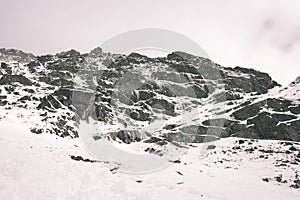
(291,92)
(41,167)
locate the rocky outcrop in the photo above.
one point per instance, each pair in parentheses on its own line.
(10,79)
(15,55)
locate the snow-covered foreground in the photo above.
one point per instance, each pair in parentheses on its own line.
(40,167)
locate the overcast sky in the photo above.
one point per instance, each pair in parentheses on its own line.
(259,34)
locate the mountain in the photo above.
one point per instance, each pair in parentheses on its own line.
(192,98)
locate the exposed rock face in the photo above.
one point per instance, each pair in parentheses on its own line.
(194,99)
(270,119)
(9,79)
(255,82)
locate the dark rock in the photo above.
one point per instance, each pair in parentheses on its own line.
(170,126)
(29,90)
(199,91)
(175,161)
(126,136)
(4,65)
(141,95)
(184,68)
(80,158)
(266,179)
(193,129)
(139,114)
(150,150)
(9,79)
(241,141)
(295,109)
(247,112)
(163,105)
(44,58)
(278,178)
(37,130)
(250,150)
(180,56)
(25,98)
(61,82)
(226,96)
(3,103)
(178,172)
(50,102)
(211,147)
(278,105)
(220,122)
(292,148)
(188,138)
(256,82)
(283,117)
(153,140)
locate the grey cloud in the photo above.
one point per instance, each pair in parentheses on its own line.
(291,43)
(281,34)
